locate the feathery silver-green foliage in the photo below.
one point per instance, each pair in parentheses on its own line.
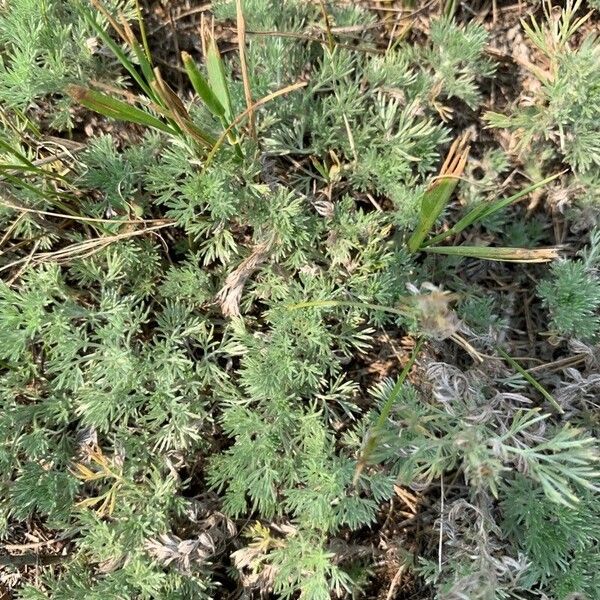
(176,329)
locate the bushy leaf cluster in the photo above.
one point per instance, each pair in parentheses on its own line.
(183,339)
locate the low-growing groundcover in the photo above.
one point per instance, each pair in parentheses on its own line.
(299,300)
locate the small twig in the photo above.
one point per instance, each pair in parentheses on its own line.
(441,539)
(458,339)
(350,137)
(244,114)
(312,38)
(559,364)
(79,218)
(82,249)
(31,546)
(374,202)
(409,499)
(230,294)
(30,559)
(26,263)
(330,38)
(241,29)
(16,204)
(187,13)
(395,583)
(10,229)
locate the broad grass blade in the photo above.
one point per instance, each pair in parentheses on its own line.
(115,109)
(438,194)
(216,77)
(201,86)
(482,211)
(517,255)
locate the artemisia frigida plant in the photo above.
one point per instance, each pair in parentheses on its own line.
(190,301)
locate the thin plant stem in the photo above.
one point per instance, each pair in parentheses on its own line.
(373,436)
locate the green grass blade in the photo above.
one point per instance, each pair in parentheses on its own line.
(143,61)
(485,210)
(6,168)
(374,435)
(202,87)
(142,54)
(20,157)
(117,51)
(142,26)
(439,192)
(216,78)
(530,379)
(46,192)
(115,109)
(433,202)
(386,409)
